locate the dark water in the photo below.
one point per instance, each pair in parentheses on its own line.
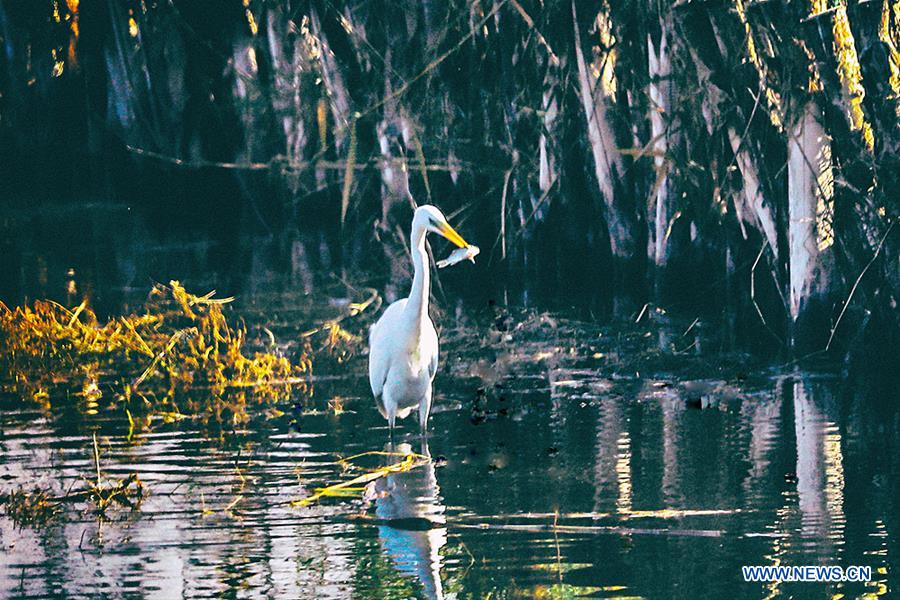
(557,471)
(568,458)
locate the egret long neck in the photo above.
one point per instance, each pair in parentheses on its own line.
(417,305)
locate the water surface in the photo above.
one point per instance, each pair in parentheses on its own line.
(567,459)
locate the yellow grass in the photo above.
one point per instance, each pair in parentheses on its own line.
(356,486)
(177,344)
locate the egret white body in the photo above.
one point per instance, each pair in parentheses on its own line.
(403,343)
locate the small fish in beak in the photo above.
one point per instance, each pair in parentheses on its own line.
(460,254)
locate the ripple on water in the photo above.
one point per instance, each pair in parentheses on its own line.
(560,472)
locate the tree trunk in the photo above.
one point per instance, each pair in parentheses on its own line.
(881,101)
(339,96)
(809,159)
(394,137)
(710,58)
(660,91)
(754,198)
(546,144)
(608,166)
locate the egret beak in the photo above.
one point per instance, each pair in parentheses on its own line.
(448,232)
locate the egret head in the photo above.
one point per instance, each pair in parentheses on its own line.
(430,218)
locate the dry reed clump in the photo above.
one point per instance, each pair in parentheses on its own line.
(179,343)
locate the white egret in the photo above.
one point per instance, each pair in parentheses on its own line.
(403,344)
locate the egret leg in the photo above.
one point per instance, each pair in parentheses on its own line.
(424,410)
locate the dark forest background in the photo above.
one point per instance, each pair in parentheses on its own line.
(702,155)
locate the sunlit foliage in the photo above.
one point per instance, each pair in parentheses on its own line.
(180,343)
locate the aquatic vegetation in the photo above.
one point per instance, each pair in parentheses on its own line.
(178,343)
(40,506)
(24,507)
(127,492)
(358,486)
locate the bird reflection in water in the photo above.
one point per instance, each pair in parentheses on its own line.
(413,530)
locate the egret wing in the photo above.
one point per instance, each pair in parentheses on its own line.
(432,346)
(432,368)
(378,362)
(380,346)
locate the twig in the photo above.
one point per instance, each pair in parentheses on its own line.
(301,165)
(537,207)
(233,503)
(691,326)
(503,215)
(97,460)
(423,164)
(348,173)
(353,309)
(856,284)
(436,62)
(753,292)
(130,425)
(683,350)
(176,337)
(556,539)
(554,59)
(756,98)
(77,312)
(641,315)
